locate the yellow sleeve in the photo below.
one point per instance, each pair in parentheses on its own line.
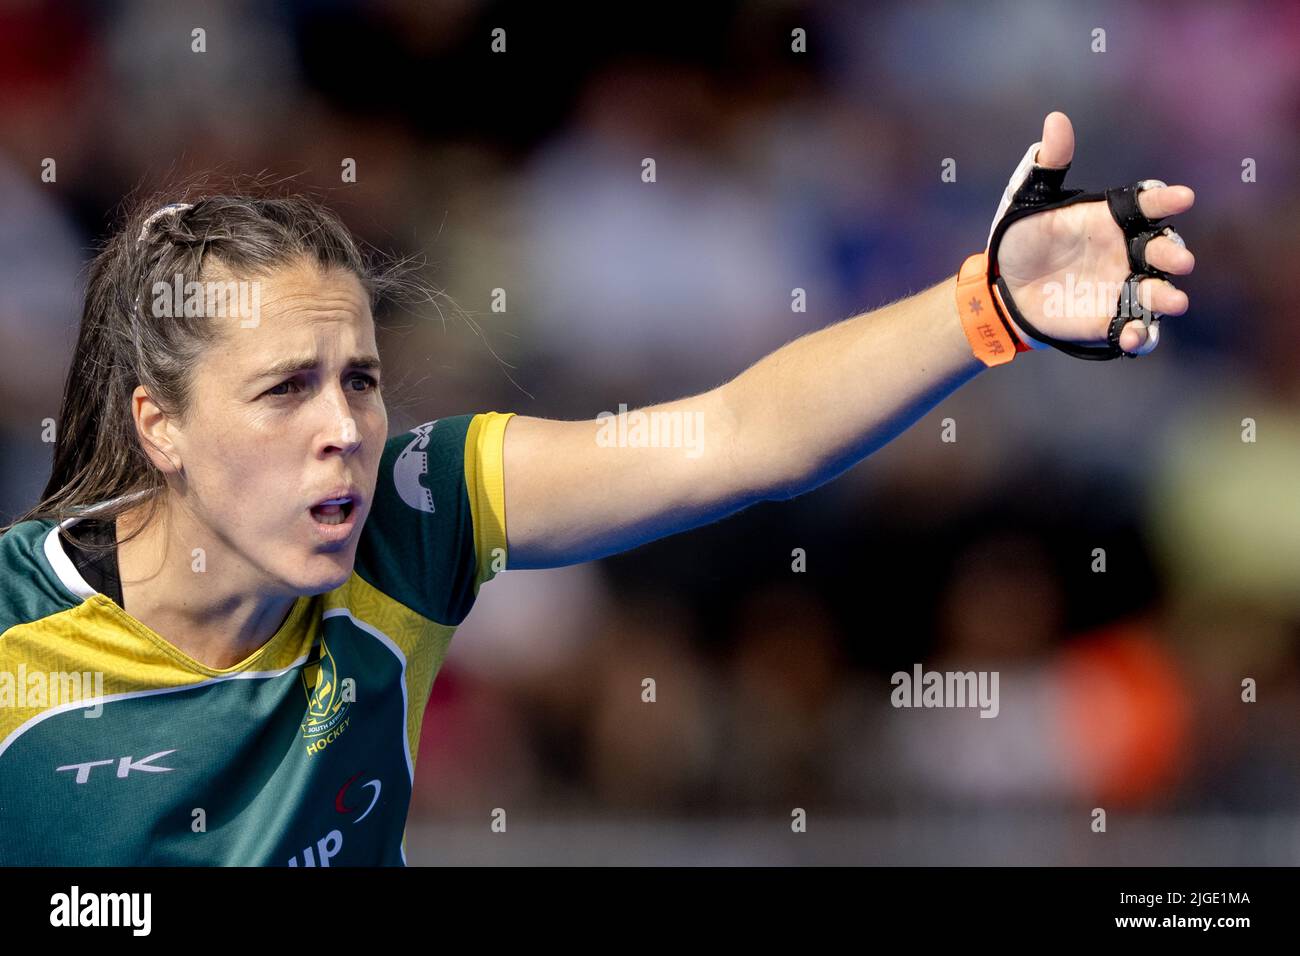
(485,483)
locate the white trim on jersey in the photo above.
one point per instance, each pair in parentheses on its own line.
(397,652)
(62,565)
(68,575)
(89,702)
(388,642)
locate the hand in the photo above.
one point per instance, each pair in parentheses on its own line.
(1065,267)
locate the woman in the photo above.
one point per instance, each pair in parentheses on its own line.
(235,451)
(260,585)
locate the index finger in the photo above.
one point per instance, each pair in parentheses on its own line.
(1165,201)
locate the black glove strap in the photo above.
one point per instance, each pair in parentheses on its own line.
(1124,207)
(1042,191)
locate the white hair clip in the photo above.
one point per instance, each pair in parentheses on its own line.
(170,209)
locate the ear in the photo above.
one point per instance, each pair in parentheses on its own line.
(154,429)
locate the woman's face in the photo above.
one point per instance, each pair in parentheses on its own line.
(286,413)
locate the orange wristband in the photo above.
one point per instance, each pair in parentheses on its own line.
(990,337)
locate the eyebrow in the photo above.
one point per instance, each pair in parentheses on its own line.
(295,364)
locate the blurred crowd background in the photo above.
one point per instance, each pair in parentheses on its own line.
(821,170)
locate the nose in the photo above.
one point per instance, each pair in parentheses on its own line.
(339,430)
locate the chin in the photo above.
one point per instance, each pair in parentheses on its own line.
(323,572)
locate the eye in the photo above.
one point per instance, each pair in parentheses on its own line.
(370,381)
(272,391)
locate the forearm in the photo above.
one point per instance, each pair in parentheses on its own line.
(814,407)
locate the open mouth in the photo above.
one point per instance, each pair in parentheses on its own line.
(332,513)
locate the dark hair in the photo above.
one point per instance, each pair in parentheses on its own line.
(122,343)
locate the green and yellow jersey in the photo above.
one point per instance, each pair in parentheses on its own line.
(118,749)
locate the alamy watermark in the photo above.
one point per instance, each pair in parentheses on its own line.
(922,688)
(1084,297)
(653,429)
(132,911)
(41,689)
(214,300)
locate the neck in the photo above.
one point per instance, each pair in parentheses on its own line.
(217,619)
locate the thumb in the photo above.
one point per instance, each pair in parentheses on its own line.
(1058,141)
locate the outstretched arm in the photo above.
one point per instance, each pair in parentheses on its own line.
(803,414)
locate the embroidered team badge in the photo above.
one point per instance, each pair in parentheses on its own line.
(327,703)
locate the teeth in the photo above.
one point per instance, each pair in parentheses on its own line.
(328,518)
(334,511)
